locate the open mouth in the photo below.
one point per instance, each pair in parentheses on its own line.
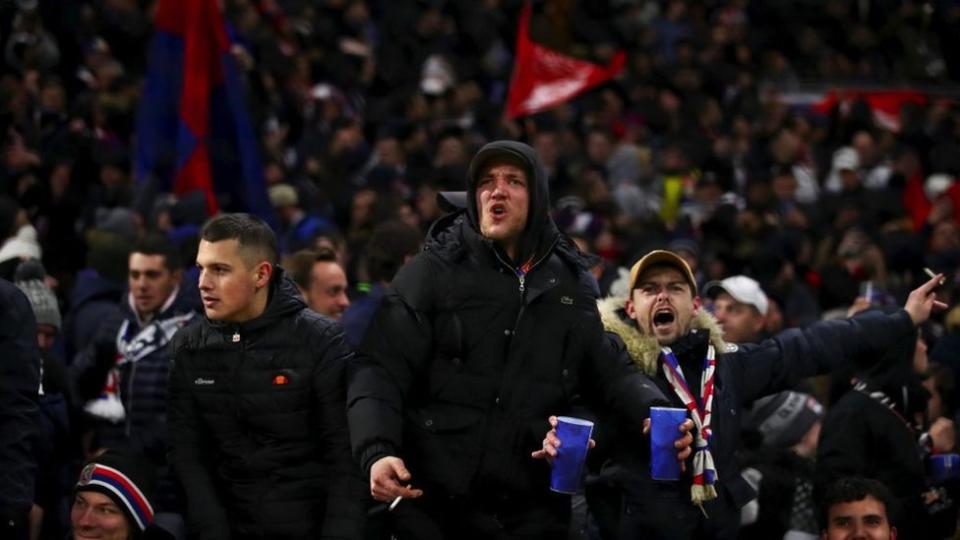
(498,209)
(663,317)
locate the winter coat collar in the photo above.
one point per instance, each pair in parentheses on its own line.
(451,238)
(643,349)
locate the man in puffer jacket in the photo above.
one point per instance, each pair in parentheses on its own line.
(482,336)
(258,427)
(678,344)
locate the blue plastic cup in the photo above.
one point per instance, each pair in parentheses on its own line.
(944,467)
(664,431)
(574,435)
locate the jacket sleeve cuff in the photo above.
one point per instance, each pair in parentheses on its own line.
(374,452)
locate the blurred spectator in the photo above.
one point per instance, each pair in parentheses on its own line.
(781,470)
(740,307)
(297,228)
(96,291)
(53,446)
(321,280)
(391,246)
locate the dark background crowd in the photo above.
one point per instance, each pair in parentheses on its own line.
(366,110)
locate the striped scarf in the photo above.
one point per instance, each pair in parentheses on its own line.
(704,472)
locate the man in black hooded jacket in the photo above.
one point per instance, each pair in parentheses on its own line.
(256,415)
(485,333)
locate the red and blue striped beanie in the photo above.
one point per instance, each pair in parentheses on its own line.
(126,480)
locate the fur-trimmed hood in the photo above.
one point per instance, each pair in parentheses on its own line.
(643,349)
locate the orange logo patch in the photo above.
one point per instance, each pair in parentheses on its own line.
(281,380)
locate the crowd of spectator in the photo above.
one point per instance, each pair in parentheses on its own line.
(367,110)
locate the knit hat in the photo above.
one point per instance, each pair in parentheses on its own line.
(29,278)
(783,419)
(128,481)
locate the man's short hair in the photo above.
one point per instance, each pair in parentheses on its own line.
(852,489)
(251,232)
(155,244)
(300,264)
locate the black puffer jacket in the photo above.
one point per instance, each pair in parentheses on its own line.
(464,360)
(19,385)
(258,425)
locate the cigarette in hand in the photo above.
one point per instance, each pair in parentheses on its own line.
(396,501)
(933,274)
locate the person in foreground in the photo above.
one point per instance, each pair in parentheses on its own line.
(480,337)
(258,428)
(680,346)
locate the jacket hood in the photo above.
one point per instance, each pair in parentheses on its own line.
(643,349)
(450,236)
(540,230)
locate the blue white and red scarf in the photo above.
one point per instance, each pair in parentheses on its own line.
(704,472)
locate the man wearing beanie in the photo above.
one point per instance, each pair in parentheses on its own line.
(52,445)
(19,386)
(677,343)
(114,498)
(781,468)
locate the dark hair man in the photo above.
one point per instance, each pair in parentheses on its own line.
(391,245)
(121,376)
(481,336)
(321,281)
(258,430)
(857,508)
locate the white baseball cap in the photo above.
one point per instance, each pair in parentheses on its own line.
(743,289)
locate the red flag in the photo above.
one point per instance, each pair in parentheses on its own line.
(543,77)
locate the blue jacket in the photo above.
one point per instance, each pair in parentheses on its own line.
(92,300)
(744,374)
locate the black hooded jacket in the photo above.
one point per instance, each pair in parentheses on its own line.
(258,431)
(464,361)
